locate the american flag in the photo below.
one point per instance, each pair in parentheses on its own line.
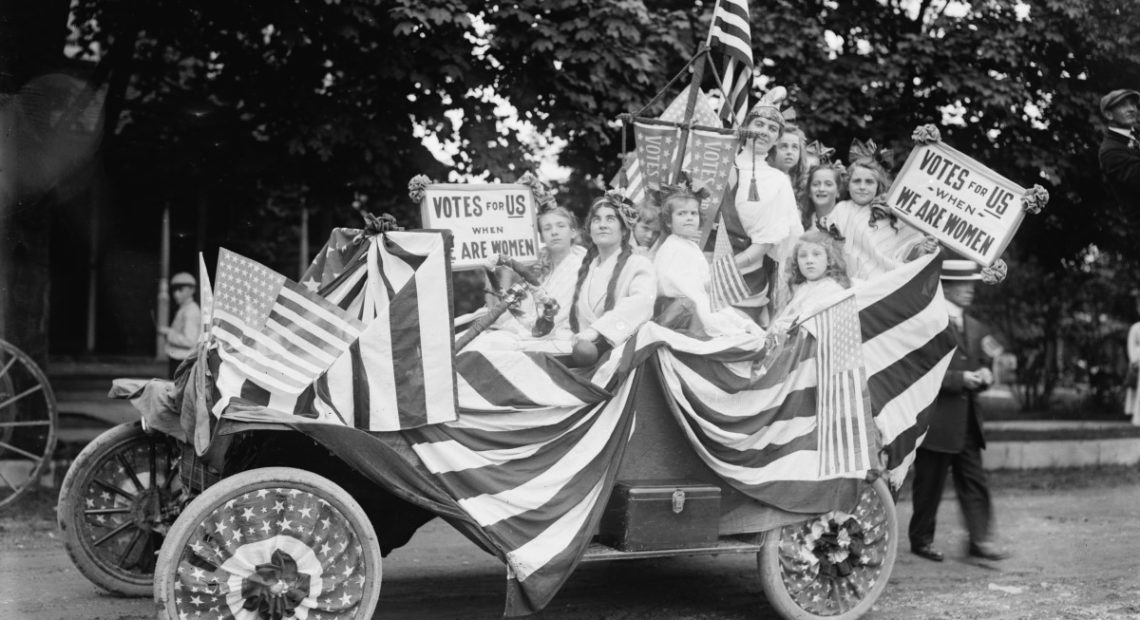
(274,336)
(267,536)
(728,287)
(629,178)
(843,411)
(731,29)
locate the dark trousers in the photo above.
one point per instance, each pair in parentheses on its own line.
(969,482)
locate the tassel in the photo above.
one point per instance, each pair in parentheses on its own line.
(753,194)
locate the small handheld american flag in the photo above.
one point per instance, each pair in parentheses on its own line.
(728,287)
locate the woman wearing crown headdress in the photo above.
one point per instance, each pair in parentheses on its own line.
(760,214)
(615,288)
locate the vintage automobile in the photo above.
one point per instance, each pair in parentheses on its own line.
(667,446)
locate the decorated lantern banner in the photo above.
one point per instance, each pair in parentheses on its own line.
(710,161)
(484,220)
(656,152)
(968,207)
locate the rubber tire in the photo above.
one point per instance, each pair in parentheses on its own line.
(233,486)
(69,509)
(776,589)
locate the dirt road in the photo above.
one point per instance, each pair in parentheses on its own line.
(1076,539)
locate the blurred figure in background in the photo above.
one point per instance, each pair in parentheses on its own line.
(1132,378)
(182,334)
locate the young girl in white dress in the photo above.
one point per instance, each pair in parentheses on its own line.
(557,270)
(818,275)
(683,273)
(875,240)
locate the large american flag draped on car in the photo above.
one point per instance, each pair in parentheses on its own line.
(529,464)
(363,341)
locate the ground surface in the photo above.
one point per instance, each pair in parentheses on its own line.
(1074,535)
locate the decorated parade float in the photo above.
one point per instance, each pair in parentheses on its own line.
(321,422)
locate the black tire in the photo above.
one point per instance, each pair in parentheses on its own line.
(119,498)
(28,422)
(279,556)
(796,581)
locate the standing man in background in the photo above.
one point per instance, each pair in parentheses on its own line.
(182,334)
(1120,150)
(955,439)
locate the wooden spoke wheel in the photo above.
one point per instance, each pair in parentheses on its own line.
(28,421)
(270,543)
(833,566)
(118,500)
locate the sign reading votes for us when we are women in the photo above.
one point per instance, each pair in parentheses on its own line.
(965,205)
(484,220)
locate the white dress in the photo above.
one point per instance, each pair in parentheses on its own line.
(872,249)
(634,296)
(511,332)
(683,271)
(773,219)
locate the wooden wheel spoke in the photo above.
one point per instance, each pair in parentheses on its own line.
(36,388)
(113,533)
(8,482)
(152,454)
(25,423)
(20,451)
(114,489)
(7,367)
(106,511)
(136,538)
(130,470)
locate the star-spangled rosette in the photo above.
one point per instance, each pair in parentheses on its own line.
(280,551)
(416,187)
(995,273)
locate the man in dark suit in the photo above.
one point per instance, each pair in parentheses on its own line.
(1120,150)
(955,439)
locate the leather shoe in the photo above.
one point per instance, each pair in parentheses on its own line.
(928,552)
(988,551)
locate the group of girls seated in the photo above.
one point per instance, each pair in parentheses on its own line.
(642,263)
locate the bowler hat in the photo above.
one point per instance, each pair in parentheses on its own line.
(183,279)
(956,270)
(1110,100)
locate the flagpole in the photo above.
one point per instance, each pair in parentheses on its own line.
(690,105)
(708,37)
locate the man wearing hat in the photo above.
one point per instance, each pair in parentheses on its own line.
(1120,150)
(182,335)
(955,440)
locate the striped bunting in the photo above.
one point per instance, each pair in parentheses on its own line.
(274,337)
(401,373)
(731,30)
(527,466)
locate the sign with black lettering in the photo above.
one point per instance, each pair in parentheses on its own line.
(484,220)
(965,205)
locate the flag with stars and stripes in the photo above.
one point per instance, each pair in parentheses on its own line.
(843,410)
(727,286)
(274,336)
(732,32)
(268,542)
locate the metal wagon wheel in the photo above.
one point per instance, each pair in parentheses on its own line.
(28,422)
(834,566)
(118,500)
(270,543)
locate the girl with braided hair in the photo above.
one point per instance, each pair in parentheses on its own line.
(875,240)
(616,288)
